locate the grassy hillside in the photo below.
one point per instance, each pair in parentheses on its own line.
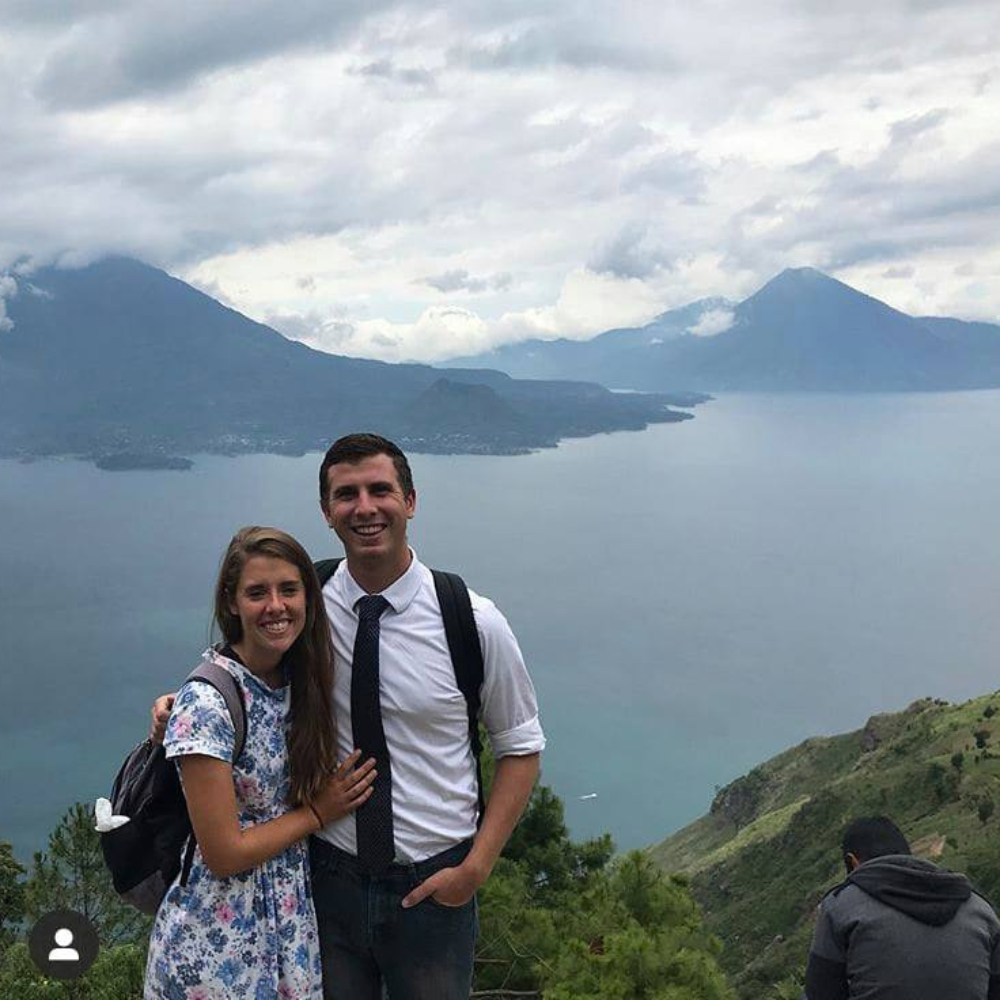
(768,849)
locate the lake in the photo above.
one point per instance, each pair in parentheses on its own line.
(690,599)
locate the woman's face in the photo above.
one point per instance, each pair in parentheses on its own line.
(270,602)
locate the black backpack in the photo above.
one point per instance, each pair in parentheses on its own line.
(145,854)
(463,645)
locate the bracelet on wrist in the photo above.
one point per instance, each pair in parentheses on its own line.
(315,812)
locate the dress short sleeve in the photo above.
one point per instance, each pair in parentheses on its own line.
(200,723)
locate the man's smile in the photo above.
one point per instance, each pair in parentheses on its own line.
(368,530)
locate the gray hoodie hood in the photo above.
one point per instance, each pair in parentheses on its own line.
(918,888)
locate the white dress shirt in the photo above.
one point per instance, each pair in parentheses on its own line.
(424,714)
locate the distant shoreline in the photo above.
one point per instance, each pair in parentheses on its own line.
(159,458)
(130,461)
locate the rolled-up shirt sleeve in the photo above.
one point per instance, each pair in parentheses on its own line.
(509,709)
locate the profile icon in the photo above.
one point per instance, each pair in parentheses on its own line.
(63,952)
(63,944)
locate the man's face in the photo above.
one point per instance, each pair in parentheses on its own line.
(368,510)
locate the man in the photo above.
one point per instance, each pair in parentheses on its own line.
(394,885)
(899,928)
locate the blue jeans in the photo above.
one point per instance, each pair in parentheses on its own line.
(369,943)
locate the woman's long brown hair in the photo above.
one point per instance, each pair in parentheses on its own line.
(312,737)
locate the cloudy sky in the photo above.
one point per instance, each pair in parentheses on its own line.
(417,180)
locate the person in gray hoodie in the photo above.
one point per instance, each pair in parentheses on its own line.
(900,928)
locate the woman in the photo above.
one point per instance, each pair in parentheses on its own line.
(243,924)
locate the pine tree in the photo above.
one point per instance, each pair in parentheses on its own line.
(71,875)
(11,895)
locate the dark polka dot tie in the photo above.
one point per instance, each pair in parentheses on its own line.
(374,818)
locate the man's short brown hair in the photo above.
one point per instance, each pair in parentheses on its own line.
(352,448)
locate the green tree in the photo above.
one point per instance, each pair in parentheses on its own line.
(19,978)
(562,920)
(540,845)
(11,895)
(524,904)
(642,939)
(116,975)
(71,874)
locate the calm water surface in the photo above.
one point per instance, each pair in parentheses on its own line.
(690,599)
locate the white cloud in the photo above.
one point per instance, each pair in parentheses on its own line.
(937,287)
(631,253)
(587,304)
(552,169)
(712,322)
(459,280)
(8,289)
(440,331)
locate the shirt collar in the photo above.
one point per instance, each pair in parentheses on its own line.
(399,594)
(218,654)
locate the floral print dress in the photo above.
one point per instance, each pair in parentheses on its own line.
(251,935)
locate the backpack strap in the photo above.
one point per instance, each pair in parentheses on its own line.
(325,568)
(466,657)
(223,681)
(463,645)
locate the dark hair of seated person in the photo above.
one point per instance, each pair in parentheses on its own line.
(873,837)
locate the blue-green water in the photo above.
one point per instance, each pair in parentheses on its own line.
(690,599)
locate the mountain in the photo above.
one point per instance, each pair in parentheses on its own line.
(610,358)
(766,852)
(121,359)
(803,331)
